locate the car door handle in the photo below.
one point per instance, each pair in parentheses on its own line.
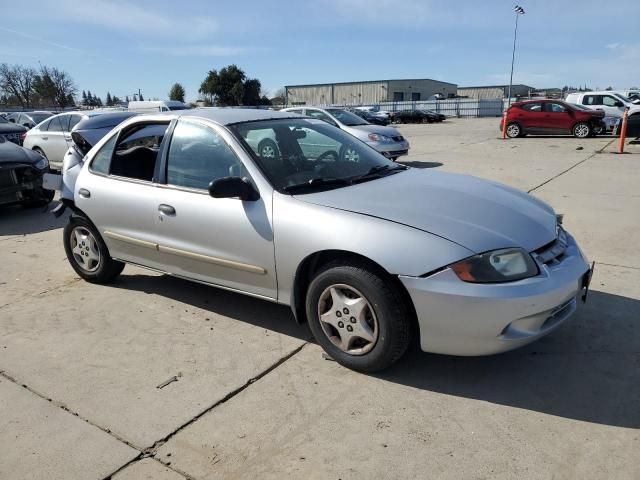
(84,193)
(45,138)
(167,209)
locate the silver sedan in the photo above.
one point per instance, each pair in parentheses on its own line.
(367,251)
(386,140)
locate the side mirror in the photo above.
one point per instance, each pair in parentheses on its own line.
(233,187)
(619,104)
(26,125)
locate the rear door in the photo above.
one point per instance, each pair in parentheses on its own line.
(532,117)
(118,192)
(54,143)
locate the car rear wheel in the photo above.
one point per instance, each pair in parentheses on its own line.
(599,129)
(514,130)
(87,253)
(358,317)
(581,130)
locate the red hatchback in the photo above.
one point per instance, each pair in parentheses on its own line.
(553,117)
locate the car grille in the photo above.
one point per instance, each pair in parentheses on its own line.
(553,252)
(398,138)
(13,137)
(8,178)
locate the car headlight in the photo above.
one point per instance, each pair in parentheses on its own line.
(376,137)
(42,163)
(505,265)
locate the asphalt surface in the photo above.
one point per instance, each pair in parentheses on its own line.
(245,393)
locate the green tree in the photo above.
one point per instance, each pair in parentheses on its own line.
(108,100)
(84,98)
(141,98)
(177,93)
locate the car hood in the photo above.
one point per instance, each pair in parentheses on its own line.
(362,131)
(10,153)
(11,128)
(479,215)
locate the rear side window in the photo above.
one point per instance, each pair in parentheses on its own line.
(102,159)
(137,150)
(55,125)
(532,107)
(74,120)
(592,100)
(198,155)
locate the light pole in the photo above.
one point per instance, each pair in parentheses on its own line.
(519,11)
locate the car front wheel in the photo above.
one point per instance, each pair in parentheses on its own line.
(514,130)
(358,317)
(581,130)
(87,253)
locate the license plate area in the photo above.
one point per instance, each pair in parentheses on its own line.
(52,181)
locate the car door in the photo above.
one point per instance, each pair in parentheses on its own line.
(116,189)
(54,143)
(223,241)
(613,107)
(557,118)
(532,117)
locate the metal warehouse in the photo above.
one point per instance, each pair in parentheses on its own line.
(370,92)
(495,91)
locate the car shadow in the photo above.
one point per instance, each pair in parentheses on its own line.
(261,313)
(19,220)
(588,370)
(420,164)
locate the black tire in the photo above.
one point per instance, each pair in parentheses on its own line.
(599,129)
(391,312)
(268,149)
(514,130)
(107,269)
(581,130)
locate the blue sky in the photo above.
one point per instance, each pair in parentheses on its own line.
(123,45)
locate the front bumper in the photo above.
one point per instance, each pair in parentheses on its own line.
(391,150)
(19,183)
(459,318)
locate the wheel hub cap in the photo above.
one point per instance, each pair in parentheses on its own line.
(347,319)
(85,249)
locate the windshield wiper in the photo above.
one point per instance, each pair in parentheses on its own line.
(317,182)
(377,172)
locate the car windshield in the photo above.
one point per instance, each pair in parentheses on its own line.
(346,118)
(622,97)
(179,107)
(39,117)
(580,107)
(306,155)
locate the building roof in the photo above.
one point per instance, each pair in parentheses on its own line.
(495,86)
(369,81)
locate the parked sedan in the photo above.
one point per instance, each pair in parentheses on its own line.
(417,116)
(21,172)
(11,132)
(29,119)
(367,251)
(52,137)
(372,117)
(553,117)
(386,140)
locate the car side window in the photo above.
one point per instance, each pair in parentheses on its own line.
(102,160)
(609,101)
(198,155)
(554,108)
(74,120)
(55,125)
(532,107)
(592,100)
(297,110)
(320,116)
(45,126)
(136,151)
(64,121)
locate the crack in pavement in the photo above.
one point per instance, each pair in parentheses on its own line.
(572,166)
(149,452)
(618,266)
(43,292)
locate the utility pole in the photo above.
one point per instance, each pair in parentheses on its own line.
(519,11)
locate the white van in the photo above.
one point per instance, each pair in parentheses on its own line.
(150,106)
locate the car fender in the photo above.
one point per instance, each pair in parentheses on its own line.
(302,229)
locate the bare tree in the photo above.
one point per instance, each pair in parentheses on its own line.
(18,81)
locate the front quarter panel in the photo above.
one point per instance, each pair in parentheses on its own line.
(302,229)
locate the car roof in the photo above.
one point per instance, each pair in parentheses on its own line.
(229,116)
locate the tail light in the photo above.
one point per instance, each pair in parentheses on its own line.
(23,136)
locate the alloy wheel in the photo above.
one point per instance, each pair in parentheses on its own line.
(582,130)
(85,249)
(513,130)
(347,319)
(268,151)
